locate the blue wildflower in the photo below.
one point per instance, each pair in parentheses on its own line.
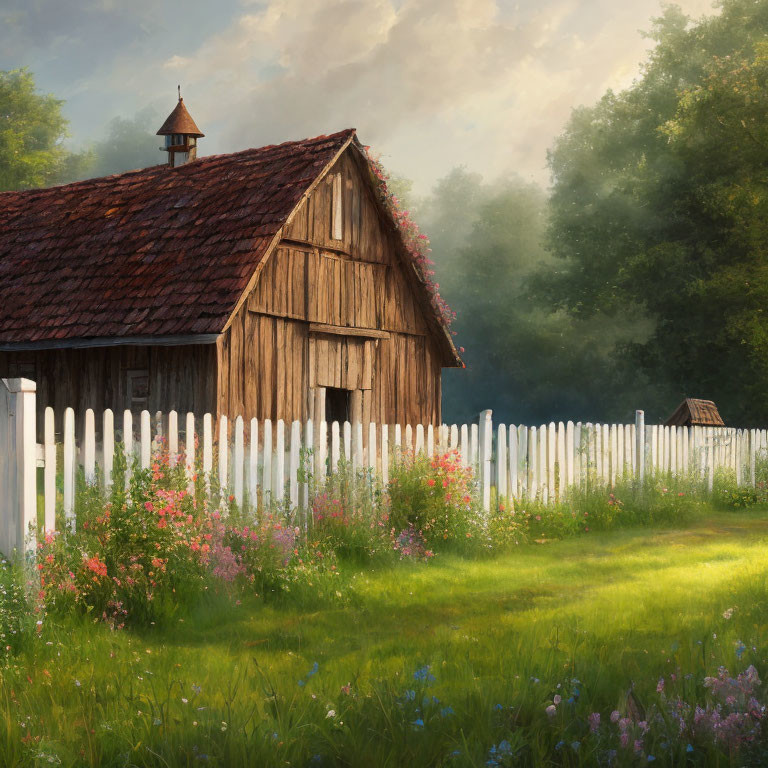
(410,695)
(651,758)
(505,748)
(314,669)
(575,745)
(689,748)
(446,711)
(302,683)
(571,700)
(498,707)
(740,648)
(419,723)
(422,674)
(559,745)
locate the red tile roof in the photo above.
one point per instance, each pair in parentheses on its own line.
(156,252)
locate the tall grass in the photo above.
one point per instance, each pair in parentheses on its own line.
(587,618)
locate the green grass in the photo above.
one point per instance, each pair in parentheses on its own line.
(611,609)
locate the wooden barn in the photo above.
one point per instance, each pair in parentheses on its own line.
(693,412)
(268,283)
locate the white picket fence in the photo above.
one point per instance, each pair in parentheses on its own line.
(274,460)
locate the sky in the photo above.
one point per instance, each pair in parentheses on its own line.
(429,84)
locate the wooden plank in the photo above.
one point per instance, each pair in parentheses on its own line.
(207,449)
(345,330)
(49,473)
(464,446)
(357,450)
(569,456)
(430,441)
(562,480)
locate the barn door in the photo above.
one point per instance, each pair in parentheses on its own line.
(340,377)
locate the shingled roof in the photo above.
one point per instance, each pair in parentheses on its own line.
(156,252)
(693,412)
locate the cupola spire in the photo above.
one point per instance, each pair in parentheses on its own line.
(181,135)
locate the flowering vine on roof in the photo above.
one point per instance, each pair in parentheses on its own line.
(416,243)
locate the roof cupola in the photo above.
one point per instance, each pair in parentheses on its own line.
(181,135)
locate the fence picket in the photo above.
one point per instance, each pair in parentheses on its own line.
(207,448)
(335,446)
(278,466)
(173,438)
(238,460)
(253,464)
(108,447)
(385,454)
(189,449)
(502,468)
(49,473)
(513,462)
(372,452)
(293,464)
(89,447)
(533,476)
(145,438)
(69,466)
(223,454)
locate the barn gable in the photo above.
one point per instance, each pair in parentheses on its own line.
(339,284)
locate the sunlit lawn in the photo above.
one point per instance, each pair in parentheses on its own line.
(610,610)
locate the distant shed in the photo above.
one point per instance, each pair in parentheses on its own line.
(695,413)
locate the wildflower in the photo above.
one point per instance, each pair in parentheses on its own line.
(594,721)
(419,723)
(615,716)
(660,685)
(551,710)
(557,698)
(446,711)
(332,713)
(423,674)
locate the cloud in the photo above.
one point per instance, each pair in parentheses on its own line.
(429,83)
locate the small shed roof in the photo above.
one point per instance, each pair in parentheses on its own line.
(693,412)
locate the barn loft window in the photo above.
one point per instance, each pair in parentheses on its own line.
(336,404)
(137,389)
(337,213)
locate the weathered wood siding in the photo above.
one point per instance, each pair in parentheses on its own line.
(270,360)
(181,378)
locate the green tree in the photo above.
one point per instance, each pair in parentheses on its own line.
(32,129)
(659,209)
(526,359)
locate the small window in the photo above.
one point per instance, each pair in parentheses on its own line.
(336,404)
(137,390)
(337,213)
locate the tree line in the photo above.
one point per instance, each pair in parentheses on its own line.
(639,277)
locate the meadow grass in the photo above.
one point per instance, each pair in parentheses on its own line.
(233,683)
